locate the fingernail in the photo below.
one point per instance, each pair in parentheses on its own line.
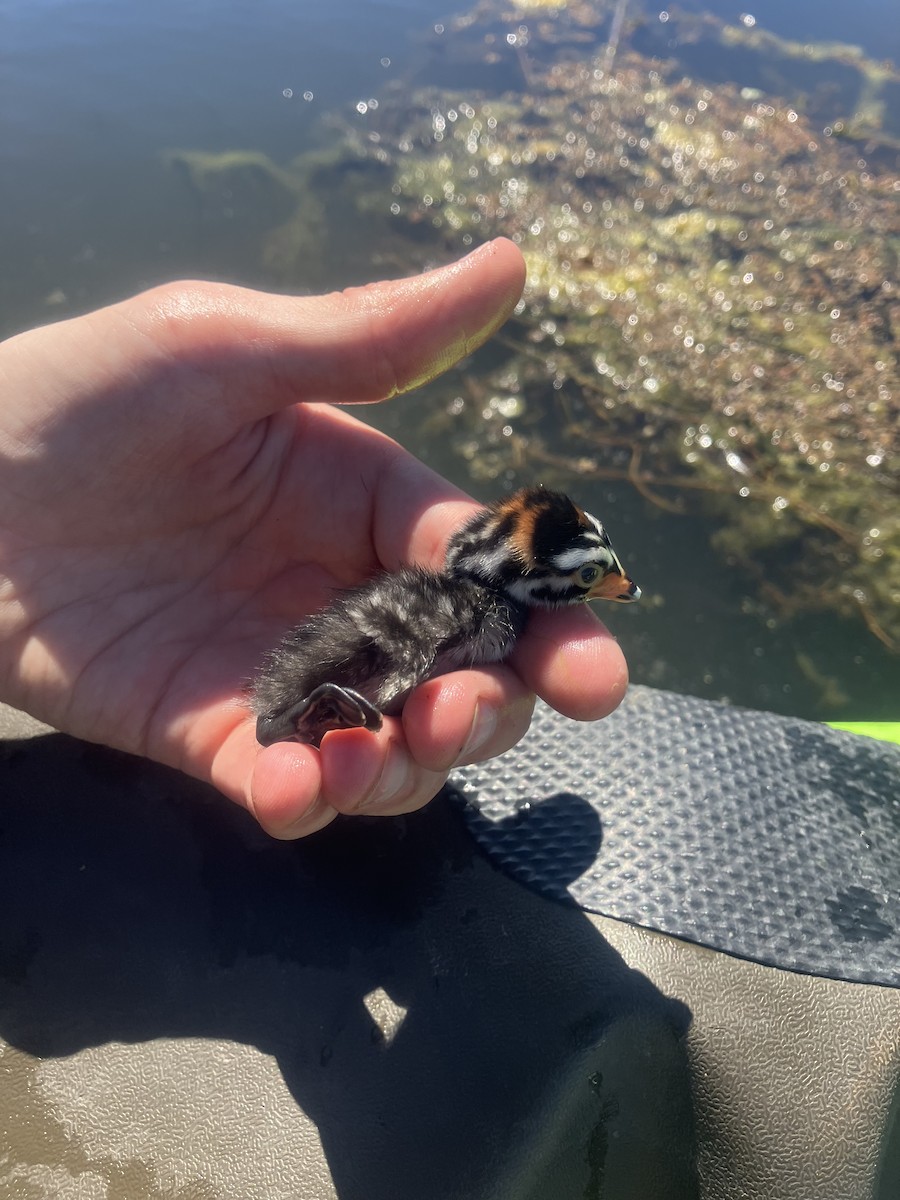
(482,729)
(392,781)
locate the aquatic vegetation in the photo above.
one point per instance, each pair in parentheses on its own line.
(287,202)
(712,304)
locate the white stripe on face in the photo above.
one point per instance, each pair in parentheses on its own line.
(615,558)
(569,560)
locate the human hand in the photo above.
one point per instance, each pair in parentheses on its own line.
(174,495)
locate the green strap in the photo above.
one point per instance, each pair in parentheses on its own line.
(884,731)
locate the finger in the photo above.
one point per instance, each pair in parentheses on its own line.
(280,785)
(458,718)
(375,774)
(360,345)
(285,793)
(413,509)
(573,662)
(467,716)
(416,513)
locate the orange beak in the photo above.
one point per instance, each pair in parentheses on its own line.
(613,586)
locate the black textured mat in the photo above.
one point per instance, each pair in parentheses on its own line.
(764,836)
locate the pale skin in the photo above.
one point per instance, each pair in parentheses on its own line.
(175,493)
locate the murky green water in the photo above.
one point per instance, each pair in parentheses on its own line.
(362,127)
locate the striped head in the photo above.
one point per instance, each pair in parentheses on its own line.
(541,549)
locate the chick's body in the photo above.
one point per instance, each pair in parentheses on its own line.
(385,637)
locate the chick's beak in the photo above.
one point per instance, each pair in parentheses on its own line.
(613,586)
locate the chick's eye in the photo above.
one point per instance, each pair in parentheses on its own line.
(589,575)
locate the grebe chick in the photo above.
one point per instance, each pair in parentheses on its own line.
(361,656)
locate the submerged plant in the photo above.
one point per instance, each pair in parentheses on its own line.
(711,306)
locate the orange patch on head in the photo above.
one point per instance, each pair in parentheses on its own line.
(524,515)
(612,586)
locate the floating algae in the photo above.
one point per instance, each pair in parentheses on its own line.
(712,302)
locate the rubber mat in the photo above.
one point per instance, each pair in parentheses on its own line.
(763,836)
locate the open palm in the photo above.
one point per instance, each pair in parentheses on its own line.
(174,495)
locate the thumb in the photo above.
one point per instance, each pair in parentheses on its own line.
(356,346)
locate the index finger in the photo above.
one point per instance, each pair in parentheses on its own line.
(571,660)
